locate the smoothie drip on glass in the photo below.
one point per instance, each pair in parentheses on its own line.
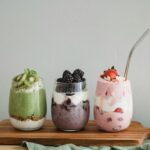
(27,101)
(70,104)
(113,105)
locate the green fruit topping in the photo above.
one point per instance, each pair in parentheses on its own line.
(26,79)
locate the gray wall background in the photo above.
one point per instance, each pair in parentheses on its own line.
(53,35)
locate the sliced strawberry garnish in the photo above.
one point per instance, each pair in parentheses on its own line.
(112,73)
(118,110)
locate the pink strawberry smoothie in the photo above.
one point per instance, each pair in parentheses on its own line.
(113,105)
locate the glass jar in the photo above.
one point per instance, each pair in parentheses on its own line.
(70,106)
(27,106)
(113,105)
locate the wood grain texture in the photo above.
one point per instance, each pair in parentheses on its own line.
(49,135)
(10,147)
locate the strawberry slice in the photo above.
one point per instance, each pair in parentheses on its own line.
(118,110)
(112,73)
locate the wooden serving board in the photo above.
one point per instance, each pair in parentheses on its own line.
(90,136)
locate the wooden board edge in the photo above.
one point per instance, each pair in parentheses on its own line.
(97,142)
(147,133)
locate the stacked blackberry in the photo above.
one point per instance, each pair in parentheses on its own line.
(75,82)
(68,77)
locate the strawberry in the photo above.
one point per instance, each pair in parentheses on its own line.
(112,73)
(118,110)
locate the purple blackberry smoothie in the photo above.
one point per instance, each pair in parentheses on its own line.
(70,103)
(70,117)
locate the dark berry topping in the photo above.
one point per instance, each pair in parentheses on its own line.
(79,72)
(66,72)
(83,79)
(68,78)
(77,78)
(60,80)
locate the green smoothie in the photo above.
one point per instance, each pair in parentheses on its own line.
(25,105)
(27,97)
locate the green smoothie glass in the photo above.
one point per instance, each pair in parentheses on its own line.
(27,101)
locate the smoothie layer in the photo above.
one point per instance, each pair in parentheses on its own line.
(27,104)
(27,99)
(68,116)
(112,121)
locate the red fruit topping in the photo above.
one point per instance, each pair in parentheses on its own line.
(112,73)
(119,110)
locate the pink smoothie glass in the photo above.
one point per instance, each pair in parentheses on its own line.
(113,105)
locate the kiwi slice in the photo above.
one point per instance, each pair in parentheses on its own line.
(26,79)
(26,83)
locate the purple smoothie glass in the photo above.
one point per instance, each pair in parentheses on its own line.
(70,106)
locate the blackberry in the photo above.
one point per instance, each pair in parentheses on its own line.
(83,79)
(77,78)
(79,72)
(60,80)
(66,72)
(68,78)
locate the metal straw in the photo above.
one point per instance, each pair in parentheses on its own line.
(132,50)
